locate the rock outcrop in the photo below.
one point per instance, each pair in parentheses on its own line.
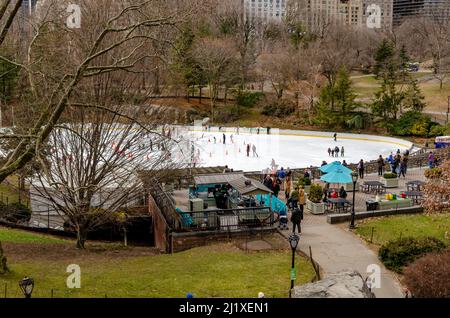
(348,284)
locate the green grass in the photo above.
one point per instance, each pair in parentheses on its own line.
(203,271)
(17,236)
(392,227)
(220,270)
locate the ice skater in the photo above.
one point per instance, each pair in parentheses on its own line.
(224,139)
(231,138)
(254,151)
(342,151)
(329,152)
(248,150)
(335,136)
(336,151)
(215,140)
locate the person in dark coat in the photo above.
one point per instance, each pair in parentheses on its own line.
(276,187)
(296,219)
(380,163)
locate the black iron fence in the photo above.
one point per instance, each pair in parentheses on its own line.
(228,220)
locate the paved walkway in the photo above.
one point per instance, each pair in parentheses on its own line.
(337,249)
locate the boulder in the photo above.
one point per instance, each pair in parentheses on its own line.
(346,284)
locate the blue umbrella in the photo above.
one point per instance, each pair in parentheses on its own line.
(337,176)
(333,167)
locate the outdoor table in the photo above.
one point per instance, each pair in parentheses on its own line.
(335,204)
(416,196)
(373,187)
(415,185)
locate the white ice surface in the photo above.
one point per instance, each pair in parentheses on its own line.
(288,151)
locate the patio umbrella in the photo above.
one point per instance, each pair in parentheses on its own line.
(331,167)
(339,175)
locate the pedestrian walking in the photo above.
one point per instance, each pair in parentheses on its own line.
(254,151)
(381,164)
(402,168)
(361,169)
(287,190)
(431,160)
(344,163)
(276,187)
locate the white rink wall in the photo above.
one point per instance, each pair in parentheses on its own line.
(289,148)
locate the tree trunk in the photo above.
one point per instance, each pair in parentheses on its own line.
(3,265)
(81,237)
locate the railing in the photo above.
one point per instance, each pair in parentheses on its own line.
(166,205)
(228,220)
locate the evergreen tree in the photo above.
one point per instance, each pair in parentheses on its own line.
(414,100)
(384,58)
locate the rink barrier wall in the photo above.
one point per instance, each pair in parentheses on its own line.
(306,133)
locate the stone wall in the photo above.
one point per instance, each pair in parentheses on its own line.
(161,231)
(188,240)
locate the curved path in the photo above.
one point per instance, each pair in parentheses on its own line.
(336,249)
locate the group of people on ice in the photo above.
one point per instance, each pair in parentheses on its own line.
(334,152)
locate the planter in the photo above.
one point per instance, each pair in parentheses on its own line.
(307,189)
(315,208)
(349,187)
(389,183)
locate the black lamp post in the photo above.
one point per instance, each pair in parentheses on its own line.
(448,108)
(293,241)
(354,179)
(27,285)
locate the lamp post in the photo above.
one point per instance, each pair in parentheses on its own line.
(27,285)
(448,107)
(354,179)
(293,241)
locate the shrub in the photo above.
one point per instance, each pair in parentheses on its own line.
(248,99)
(401,252)
(230,113)
(411,123)
(304,182)
(433,173)
(390,175)
(429,276)
(15,212)
(315,193)
(279,109)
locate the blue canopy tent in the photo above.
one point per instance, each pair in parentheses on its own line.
(338,176)
(336,165)
(278,206)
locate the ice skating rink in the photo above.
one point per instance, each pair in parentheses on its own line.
(293,149)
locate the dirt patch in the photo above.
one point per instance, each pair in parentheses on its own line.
(35,251)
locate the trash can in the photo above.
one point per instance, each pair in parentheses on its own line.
(372,205)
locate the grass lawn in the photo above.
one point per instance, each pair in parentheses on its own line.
(9,190)
(392,227)
(16,236)
(221,270)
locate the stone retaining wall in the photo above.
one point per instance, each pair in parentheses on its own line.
(346,217)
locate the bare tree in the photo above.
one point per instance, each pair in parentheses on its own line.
(88,171)
(217,59)
(114,37)
(428,38)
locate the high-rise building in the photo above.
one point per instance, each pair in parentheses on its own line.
(268,10)
(373,14)
(436,9)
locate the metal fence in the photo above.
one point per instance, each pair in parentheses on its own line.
(228,220)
